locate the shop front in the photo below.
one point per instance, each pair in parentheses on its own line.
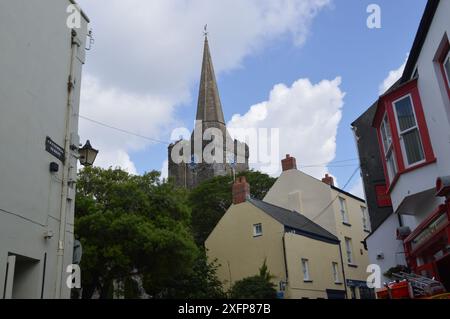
(427,248)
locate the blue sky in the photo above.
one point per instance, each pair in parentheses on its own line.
(338,43)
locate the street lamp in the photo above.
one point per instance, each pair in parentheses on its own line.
(87,154)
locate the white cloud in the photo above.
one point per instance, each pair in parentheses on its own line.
(393,77)
(147,56)
(114,159)
(307,116)
(143,114)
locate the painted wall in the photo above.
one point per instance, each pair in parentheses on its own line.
(240,254)
(320,258)
(315,196)
(355,231)
(34,72)
(383,241)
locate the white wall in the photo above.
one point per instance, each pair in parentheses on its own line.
(34,71)
(436,105)
(383,241)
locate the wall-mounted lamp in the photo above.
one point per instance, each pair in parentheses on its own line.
(87,154)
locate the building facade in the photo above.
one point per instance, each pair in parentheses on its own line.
(412,125)
(210,151)
(341,213)
(40,77)
(303,257)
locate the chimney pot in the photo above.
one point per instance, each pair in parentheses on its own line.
(328,180)
(289,163)
(241,190)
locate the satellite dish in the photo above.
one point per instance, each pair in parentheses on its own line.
(77,252)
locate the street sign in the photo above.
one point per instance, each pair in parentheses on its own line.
(54,149)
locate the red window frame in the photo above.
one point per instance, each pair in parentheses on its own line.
(443,58)
(386,106)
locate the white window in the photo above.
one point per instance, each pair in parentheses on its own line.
(343,208)
(388,147)
(365,218)
(305,268)
(349,250)
(408,131)
(447,68)
(336,272)
(257,230)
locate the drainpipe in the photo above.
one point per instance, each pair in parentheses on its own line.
(67,167)
(285,261)
(343,270)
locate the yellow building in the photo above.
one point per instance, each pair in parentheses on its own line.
(342,214)
(304,258)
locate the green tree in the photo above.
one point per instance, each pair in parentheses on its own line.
(132,226)
(201,283)
(211,199)
(256,287)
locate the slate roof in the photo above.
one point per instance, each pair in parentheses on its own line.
(294,221)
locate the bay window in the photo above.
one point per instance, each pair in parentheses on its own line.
(403,136)
(408,131)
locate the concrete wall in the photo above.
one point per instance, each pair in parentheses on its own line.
(34,72)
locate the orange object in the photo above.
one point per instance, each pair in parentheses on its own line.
(399,290)
(383,293)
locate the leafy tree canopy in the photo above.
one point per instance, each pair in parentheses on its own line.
(132,226)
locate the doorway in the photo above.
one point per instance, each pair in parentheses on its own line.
(443,267)
(22,278)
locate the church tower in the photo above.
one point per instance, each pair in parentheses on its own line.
(233,157)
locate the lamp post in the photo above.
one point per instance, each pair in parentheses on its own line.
(87,154)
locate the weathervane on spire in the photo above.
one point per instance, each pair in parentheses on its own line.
(205,31)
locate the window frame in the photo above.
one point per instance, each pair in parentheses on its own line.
(390,151)
(411,129)
(305,270)
(255,232)
(447,75)
(335,269)
(365,219)
(349,250)
(343,210)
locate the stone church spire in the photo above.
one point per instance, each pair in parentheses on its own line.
(209,107)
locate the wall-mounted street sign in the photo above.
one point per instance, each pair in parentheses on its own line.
(54,149)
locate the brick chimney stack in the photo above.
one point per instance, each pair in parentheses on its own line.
(289,163)
(241,190)
(328,180)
